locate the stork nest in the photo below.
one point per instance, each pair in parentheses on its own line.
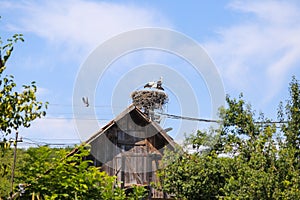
(149,99)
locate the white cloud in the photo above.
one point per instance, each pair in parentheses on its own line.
(280,12)
(259,51)
(81,25)
(67,31)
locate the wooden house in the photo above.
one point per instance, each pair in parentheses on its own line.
(131,147)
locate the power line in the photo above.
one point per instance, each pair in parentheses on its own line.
(77,105)
(172,116)
(189,118)
(70,118)
(272,122)
(43,143)
(70,113)
(37,139)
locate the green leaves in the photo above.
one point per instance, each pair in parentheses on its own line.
(48,173)
(8,48)
(18,106)
(191,176)
(17,109)
(292,115)
(242,159)
(53,175)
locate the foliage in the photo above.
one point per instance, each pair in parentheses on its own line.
(5,160)
(289,156)
(47,173)
(247,157)
(138,192)
(291,114)
(50,174)
(191,176)
(18,107)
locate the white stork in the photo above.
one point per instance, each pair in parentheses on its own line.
(156,84)
(85,100)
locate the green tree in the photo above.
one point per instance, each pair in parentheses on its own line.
(6,159)
(246,157)
(289,154)
(17,109)
(18,106)
(5,162)
(50,174)
(291,114)
(46,172)
(190,176)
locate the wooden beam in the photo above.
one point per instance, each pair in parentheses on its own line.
(140,155)
(131,142)
(123,171)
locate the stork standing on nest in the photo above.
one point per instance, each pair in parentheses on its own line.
(156,84)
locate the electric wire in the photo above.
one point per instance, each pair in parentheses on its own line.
(171,116)
(73,118)
(75,105)
(43,143)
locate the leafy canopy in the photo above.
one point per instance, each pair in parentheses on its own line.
(18,107)
(49,173)
(247,157)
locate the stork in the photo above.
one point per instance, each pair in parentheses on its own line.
(156,84)
(85,100)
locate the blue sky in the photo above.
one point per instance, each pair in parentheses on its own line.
(253,44)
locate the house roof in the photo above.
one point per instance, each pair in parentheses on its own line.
(142,117)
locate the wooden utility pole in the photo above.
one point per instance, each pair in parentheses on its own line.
(14,164)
